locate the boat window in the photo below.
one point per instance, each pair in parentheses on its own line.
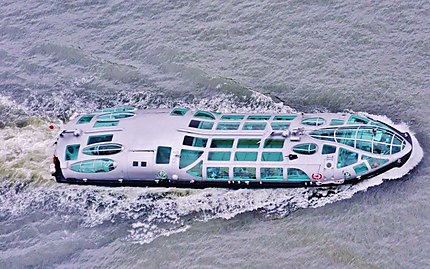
(328,149)
(106,123)
(306,149)
(254,126)
(395,149)
(195,141)
(243,156)
(317,121)
(346,158)
(72,152)
(397,140)
(357,120)
(219,173)
(259,117)
(271,173)
(116,115)
(244,173)
(336,122)
(361,168)
(295,174)
(178,111)
(103,149)
(85,119)
(286,118)
(204,115)
(187,157)
(222,143)
(219,156)
(383,136)
(280,125)
(364,145)
(374,162)
(381,149)
(206,125)
(274,143)
(163,155)
(99,139)
(324,134)
(272,157)
(116,109)
(232,117)
(228,126)
(196,171)
(380,124)
(346,133)
(365,134)
(94,166)
(248,143)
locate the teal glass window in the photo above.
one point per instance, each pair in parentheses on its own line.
(106,123)
(195,141)
(383,136)
(285,118)
(163,155)
(228,126)
(280,125)
(374,162)
(94,166)
(206,125)
(274,143)
(103,149)
(295,174)
(222,143)
(85,119)
(271,173)
(328,149)
(357,120)
(306,148)
(204,115)
(259,117)
(317,121)
(336,122)
(72,152)
(272,157)
(365,134)
(219,156)
(178,111)
(323,134)
(254,126)
(187,157)
(346,158)
(116,115)
(116,109)
(361,168)
(248,143)
(196,170)
(232,117)
(243,156)
(346,133)
(99,139)
(244,173)
(395,149)
(381,149)
(217,173)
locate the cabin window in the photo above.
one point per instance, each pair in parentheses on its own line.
(219,156)
(232,117)
(179,111)
(206,125)
(346,158)
(313,121)
(280,126)
(222,143)
(244,173)
(187,157)
(274,143)
(374,162)
(94,166)
(364,145)
(285,118)
(142,164)
(346,133)
(364,134)
(107,123)
(99,139)
(295,174)
(228,126)
(85,119)
(245,156)
(259,117)
(381,149)
(248,143)
(272,157)
(204,115)
(196,171)
(323,134)
(116,109)
(72,152)
(135,163)
(103,149)
(163,155)
(361,168)
(219,173)
(336,122)
(357,120)
(116,115)
(195,141)
(271,173)
(254,126)
(328,149)
(306,149)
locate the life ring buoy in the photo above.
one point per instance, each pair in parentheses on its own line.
(317,176)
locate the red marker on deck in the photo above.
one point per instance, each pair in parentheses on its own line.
(51,127)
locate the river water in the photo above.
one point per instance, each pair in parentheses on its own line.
(60,59)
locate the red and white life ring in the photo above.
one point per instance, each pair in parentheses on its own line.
(317,176)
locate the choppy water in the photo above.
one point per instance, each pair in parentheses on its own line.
(58,59)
